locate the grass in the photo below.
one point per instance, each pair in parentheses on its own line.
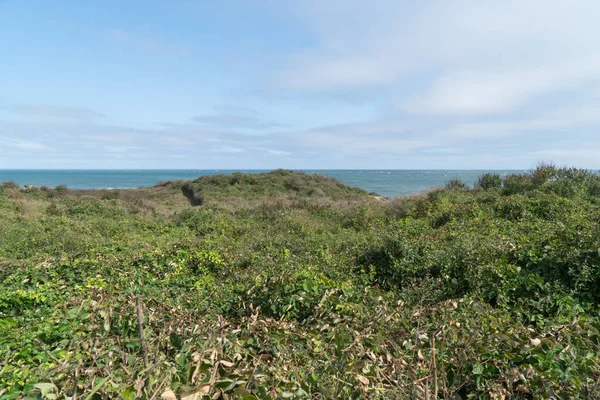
(290,285)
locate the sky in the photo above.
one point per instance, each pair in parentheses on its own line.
(301,84)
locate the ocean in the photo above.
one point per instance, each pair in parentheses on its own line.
(388,183)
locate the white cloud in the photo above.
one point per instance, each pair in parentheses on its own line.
(464,57)
(24,145)
(44,113)
(583,156)
(236,117)
(227,149)
(496,91)
(275,152)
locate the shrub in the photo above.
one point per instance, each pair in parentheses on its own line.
(317,192)
(9,185)
(489,181)
(457,293)
(110,194)
(456,184)
(517,184)
(243,186)
(194,196)
(543,173)
(53,210)
(399,207)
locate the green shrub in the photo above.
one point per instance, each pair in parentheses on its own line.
(489,181)
(264,185)
(544,173)
(456,184)
(517,184)
(9,185)
(291,285)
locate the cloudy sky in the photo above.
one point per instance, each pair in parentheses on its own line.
(299,84)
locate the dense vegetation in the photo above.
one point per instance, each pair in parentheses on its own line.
(287,285)
(260,186)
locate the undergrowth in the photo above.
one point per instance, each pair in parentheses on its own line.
(287,285)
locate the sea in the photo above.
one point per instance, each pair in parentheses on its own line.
(387,183)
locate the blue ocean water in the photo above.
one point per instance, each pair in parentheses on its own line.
(387,183)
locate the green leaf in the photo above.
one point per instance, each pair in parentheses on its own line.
(243,393)
(93,392)
(222,384)
(44,388)
(477,369)
(233,385)
(129,394)
(13,394)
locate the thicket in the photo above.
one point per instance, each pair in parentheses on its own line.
(268,184)
(268,290)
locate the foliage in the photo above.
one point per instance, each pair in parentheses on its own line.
(288,285)
(489,181)
(456,184)
(267,184)
(8,185)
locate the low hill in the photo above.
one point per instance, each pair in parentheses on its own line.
(268,184)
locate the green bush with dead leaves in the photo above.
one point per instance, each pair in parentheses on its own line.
(286,285)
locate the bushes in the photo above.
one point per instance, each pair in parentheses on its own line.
(565,182)
(60,189)
(489,181)
(301,295)
(517,184)
(480,237)
(456,184)
(8,185)
(513,208)
(269,184)
(194,196)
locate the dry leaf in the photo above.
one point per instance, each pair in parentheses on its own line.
(227,364)
(168,395)
(204,389)
(193,395)
(523,389)
(363,379)
(196,393)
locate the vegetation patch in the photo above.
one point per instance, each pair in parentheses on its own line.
(292,285)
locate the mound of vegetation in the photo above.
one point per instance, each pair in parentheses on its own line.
(268,184)
(482,292)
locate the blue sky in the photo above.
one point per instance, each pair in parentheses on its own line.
(299,84)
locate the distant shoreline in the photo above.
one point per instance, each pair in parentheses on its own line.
(387,183)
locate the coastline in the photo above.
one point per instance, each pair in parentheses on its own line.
(387,183)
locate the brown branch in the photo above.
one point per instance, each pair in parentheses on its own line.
(7,358)
(75,383)
(39,343)
(140,319)
(435,378)
(159,388)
